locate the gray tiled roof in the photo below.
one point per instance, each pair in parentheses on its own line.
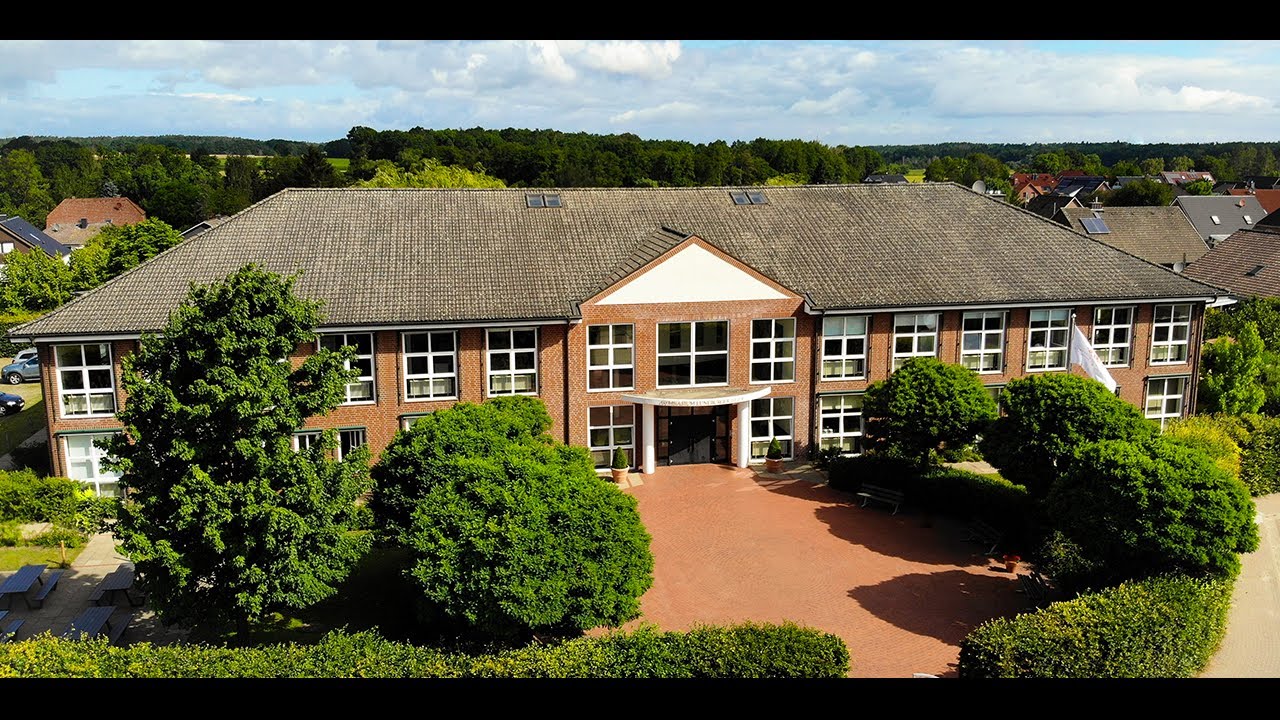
(33,236)
(1158,234)
(391,256)
(1226,264)
(1200,209)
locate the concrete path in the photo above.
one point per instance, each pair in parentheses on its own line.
(41,435)
(71,597)
(1251,648)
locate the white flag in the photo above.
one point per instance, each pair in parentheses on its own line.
(1083,354)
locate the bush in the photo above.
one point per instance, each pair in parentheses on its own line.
(12,319)
(10,533)
(620,459)
(1259,439)
(28,498)
(53,536)
(1142,509)
(33,457)
(849,473)
(748,650)
(823,458)
(1062,559)
(1162,627)
(925,403)
(775,449)
(1209,436)
(1230,371)
(1047,418)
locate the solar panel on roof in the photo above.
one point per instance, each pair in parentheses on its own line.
(1095,226)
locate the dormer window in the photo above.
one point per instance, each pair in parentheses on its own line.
(538,200)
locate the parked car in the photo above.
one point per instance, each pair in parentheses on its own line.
(16,372)
(11,404)
(24,355)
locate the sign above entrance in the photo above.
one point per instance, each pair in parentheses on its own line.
(697,397)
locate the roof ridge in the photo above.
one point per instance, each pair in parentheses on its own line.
(682,188)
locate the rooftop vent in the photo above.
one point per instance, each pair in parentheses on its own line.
(1240,202)
(1254,272)
(84,223)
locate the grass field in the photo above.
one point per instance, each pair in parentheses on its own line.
(915,176)
(12,558)
(341,164)
(16,428)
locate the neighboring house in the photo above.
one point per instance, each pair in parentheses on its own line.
(1161,235)
(1225,188)
(685,325)
(1029,185)
(1047,206)
(1080,186)
(200,227)
(881,179)
(75,220)
(1261,182)
(1122,180)
(1246,263)
(1217,216)
(1182,177)
(18,235)
(1269,199)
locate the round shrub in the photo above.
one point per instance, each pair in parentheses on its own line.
(1211,436)
(926,403)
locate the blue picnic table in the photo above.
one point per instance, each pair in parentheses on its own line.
(91,622)
(20,582)
(119,580)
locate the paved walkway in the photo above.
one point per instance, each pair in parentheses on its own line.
(71,597)
(731,545)
(1251,648)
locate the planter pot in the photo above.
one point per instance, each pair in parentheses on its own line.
(619,476)
(1011,565)
(772,466)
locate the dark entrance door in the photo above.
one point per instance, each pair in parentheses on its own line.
(690,437)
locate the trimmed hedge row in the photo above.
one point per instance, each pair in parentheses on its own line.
(748,650)
(1159,627)
(27,497)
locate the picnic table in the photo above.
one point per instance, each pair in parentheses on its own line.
(118,580)
(20,582)
(91,622)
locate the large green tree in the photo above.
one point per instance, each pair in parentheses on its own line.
(1230,373)
(224,521)
(1047,417)
(130,245)
(924,404)
(429,173)
(34,281)
(1140,192)
(513,533)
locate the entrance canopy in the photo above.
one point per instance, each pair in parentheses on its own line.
(698,397)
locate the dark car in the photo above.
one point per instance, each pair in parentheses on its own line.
(15,373)
(10,404)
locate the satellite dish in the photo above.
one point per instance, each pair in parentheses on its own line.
(979,186)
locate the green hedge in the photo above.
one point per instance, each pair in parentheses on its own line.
(1158,627)
(27,497)
(747,650)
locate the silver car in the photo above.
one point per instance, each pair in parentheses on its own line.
(16,372)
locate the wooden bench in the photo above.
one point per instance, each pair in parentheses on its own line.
(981,532)
(10,631)
(1034,586)
(882,494)
(49,584)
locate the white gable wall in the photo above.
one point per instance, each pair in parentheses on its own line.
(693,274)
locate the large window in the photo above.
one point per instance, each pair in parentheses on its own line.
(693,353)
(914,336)
(772,417)
(1170,334)
(844,347)
(1047,339)
(430,365)
(610,357)
(303,441)
(1164,398)
(609,427)
(1112,333)
(360,391)
(982,341)
(513,362)
(841,417)
(84,463)
(85,380)
(351,439)
(773,350)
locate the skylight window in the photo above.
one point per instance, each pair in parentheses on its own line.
(748,197)
(537,200)
(1216,220)
(1254,272)
(1248,219)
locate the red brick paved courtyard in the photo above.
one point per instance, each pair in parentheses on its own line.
(901,590)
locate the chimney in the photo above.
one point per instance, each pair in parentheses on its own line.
(1240,202)
(1096,205)
(84,223)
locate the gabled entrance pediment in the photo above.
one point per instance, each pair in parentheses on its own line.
(693,272)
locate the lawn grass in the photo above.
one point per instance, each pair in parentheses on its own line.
(340,164)
(12,558)
(915,176)
(16,428)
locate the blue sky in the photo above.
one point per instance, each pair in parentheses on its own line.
(838,92)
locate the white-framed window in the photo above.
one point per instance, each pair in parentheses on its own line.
(6,248)
(844,347)
(513,361)
(305,440)
(772,417)
(914,335)
(695,353)
(84,463)
(982,341)
(1165,398)
(610,427)
(359,392)
(430,365)
(841,422)
(1047,339)
(1170,334)
(1113,334)
(773,350)
(407,421)
(997,393)
(611,357)
(86,383)
(350,439)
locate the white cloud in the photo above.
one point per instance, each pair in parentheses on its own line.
(217,97)
(837,102)
(665,110)
(652,60)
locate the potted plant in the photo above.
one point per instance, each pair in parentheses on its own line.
(773,457)
(620,466)
(1011,562)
